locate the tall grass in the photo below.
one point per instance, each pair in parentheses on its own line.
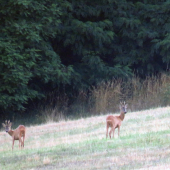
(140,94)
(50,114)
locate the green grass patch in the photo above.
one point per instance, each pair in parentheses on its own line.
(71,145)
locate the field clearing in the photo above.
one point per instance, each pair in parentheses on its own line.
(144,144)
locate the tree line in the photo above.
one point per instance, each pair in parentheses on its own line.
(69,45)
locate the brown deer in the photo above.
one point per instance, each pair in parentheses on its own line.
(115,121)
(16,134)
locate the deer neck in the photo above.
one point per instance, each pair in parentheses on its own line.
(122,116)
(10,132)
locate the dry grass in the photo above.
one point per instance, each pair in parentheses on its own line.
(140,94)
(144,143)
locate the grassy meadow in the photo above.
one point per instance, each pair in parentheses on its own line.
(144,143)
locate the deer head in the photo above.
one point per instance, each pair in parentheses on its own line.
(7,125)
(123,107)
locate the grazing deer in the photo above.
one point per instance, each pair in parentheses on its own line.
(115,121)
(16,134)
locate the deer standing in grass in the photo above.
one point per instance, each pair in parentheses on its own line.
(16,134)
(115,121)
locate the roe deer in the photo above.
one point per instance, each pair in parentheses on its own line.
(115,121)
(16,134)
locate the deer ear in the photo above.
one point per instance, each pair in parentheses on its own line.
(3,124)
(10,124)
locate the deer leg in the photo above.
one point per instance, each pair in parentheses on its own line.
(110,132)
(12,143)
(107,131)
(20,142)
(22,145)
(113,131)
(118,130)
(23,140)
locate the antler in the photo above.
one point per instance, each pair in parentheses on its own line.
(7,122)
(122,103)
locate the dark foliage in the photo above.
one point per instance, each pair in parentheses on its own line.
(47,45)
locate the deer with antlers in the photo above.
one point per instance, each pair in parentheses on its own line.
(16,134)
(115,121)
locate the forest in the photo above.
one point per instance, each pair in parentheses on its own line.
(54,52)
